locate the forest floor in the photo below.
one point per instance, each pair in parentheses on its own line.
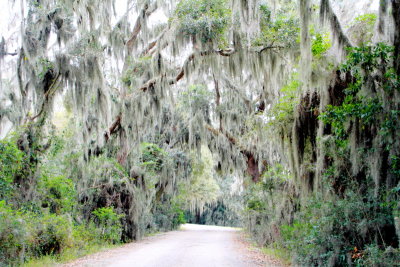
(192,245)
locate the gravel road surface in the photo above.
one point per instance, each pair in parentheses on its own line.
(191,246)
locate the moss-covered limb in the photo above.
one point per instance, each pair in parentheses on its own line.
(152,82)
(50,91)
(144,13)
(222,52)
(228,82)
(218,101)
(114,127)
(305,42)
(396,43)
(251,161)
(327,14)
(383,5)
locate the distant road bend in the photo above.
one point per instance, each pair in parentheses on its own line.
(193,245)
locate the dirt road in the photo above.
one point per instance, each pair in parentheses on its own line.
(192,246)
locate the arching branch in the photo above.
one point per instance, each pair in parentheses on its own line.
(181,73)
(146,11)
(327,14)
(52,89)
(252,163)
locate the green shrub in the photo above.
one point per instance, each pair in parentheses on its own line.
(255,204)
(178,218)
(168,216)
(49,234)
(58,193)
(13,235)
(11,161)
(84,234)
(373,255)
(333,232)
(268,204)
(109,223)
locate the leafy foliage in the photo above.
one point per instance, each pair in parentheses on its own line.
(366,109)
(282,113)
(362,28)
(11,161)
(355,209)
(109,224)
(168,215)
(283,30)
(197,99)
(205,19)
(362,109)
(136,69)
(320,44)
(152,157)
(58,193)
(13,236)
(49,234)
(368,58)
(202,187)
(334,232)
(268,204)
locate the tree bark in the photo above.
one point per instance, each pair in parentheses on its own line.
(396,43)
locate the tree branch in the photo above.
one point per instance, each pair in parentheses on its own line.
(144,13)
(235,88)
(115,126)
(153,44)
(326,13)
(181,73)
(252,163)
(53,87)
(8,54)
(218,101)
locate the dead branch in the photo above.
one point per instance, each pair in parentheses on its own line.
(114,127)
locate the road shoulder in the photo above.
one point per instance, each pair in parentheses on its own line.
(254,253)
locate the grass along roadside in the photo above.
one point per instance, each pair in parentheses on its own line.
(68,255)
(278,253)
(75,253)
(271,256)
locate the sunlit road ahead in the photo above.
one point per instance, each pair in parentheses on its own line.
(193,245)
